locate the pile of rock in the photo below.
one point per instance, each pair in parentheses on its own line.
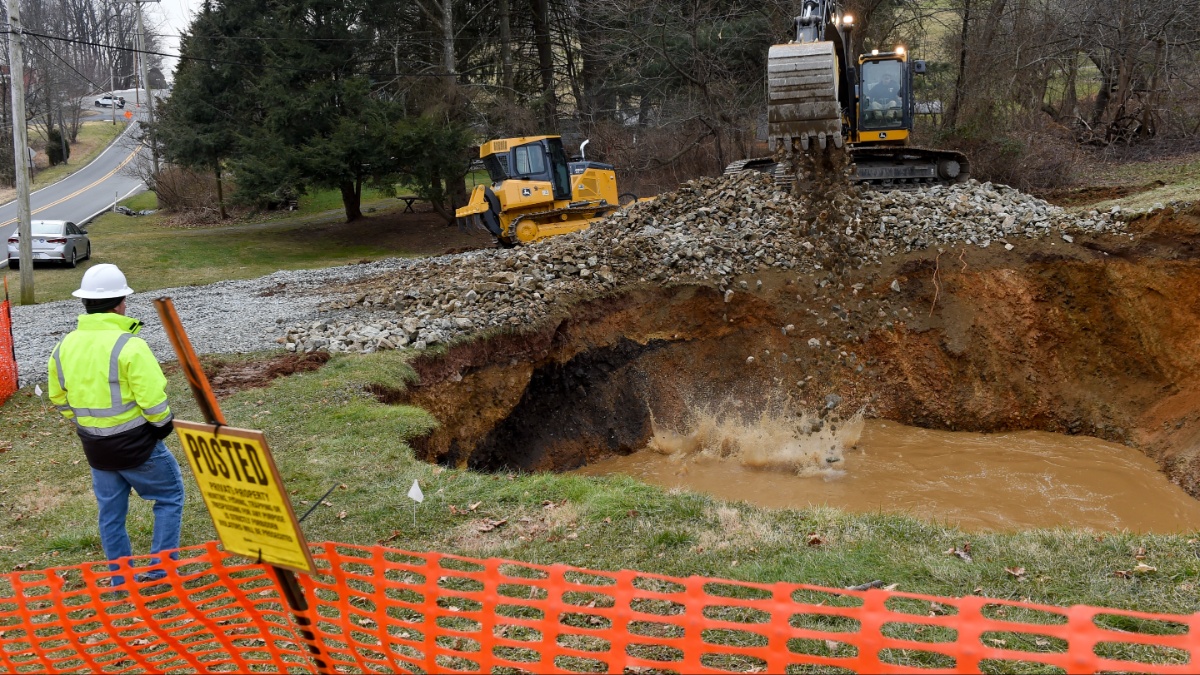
(710,231)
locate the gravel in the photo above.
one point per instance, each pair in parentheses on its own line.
(225,317)
(710,231)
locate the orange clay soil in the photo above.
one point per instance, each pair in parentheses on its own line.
(1098,337)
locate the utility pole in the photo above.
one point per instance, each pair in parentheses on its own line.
(146,83)
(16,60)
(112,87)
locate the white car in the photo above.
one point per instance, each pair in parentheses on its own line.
(53,240)
(108,101)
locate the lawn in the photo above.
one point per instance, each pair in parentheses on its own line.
(327,430)
(153,254)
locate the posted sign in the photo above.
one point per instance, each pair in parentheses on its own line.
(244,494)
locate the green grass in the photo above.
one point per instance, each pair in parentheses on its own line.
(93,138)
(325,430)
(1179,178)
(154,255)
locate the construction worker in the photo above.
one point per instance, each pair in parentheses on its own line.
(108,382)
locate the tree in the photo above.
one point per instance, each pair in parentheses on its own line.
(197,126)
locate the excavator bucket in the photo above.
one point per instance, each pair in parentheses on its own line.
(802,96)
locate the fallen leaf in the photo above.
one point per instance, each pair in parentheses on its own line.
(341,515)
(831,645)
(1143,568)
(814,539)
(1121,574)
(474,506)
(395,533)
(1040,642)
(326,503)
(961,553)
(1015,571)
(997,641)
(487,524)
(891,587)
(733,564)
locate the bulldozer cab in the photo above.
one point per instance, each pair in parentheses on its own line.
(885,100)
(538,158)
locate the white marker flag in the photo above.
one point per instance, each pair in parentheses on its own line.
(415,494)
(37,389)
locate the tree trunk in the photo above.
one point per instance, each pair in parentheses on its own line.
(506,59)
(1070,102)
(1150,109)
(960,81)
(545,50)
(220,190)
(352,199)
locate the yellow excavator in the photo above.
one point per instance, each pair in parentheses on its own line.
(537,193)
(818,96)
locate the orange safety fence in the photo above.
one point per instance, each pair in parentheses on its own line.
(8,352)
(382,610)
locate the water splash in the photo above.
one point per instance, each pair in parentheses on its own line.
(774,440)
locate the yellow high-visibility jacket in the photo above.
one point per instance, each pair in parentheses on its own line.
(107,381)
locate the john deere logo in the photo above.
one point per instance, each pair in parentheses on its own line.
(883,134)
(525,192)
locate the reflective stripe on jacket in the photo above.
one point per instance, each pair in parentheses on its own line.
(108,381)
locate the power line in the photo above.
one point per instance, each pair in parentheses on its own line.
(247,65)
(67,63)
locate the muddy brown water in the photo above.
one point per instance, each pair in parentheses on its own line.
(1004,481)
(1097,339)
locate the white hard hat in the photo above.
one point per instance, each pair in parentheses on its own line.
(103,281)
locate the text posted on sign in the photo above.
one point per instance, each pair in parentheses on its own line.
(244,495)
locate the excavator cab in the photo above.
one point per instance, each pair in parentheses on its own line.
(536,192)
(885,105)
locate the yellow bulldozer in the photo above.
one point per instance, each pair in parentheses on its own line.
(819,95)
(537,193)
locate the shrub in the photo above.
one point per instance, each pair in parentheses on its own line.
(57,151)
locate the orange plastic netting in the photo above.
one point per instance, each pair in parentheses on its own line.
(383,610)
(8,353)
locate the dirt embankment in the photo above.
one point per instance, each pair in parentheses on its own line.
(1100,337)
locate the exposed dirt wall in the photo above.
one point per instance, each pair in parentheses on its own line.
(1100,336)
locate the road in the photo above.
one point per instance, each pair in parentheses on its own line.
(92,190)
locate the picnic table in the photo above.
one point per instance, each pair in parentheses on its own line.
(409,200)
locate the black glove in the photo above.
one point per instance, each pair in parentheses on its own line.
(162,432)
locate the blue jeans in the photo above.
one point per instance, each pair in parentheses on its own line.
(158,479)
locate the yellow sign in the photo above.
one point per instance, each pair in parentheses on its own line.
(244,494)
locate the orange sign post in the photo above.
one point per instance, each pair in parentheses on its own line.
(255,522)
